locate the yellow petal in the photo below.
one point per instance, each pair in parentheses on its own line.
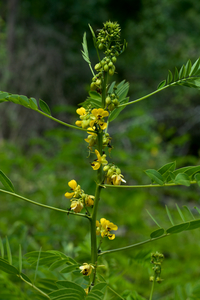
(81,111)
(72,184)
(111,236)
(78,123)
(94,112)
(69,195)
(95,165)
(103,125)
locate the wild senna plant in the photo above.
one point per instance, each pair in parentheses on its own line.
(106,100)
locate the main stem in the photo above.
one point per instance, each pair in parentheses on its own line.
(94,250)
(94,254)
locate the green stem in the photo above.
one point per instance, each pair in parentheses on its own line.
(61,122)
(34,287)
(104,89)
(152,289)
(43,205)
(94,250)
(115,292)
(145,185)
(133,246)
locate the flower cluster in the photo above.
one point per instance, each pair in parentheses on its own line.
(156,260)
(92,119)
(104,227)
(113,174)
(78,198)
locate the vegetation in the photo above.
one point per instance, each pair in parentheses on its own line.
(155,135)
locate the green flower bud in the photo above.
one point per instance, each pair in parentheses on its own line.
(114,59)
(93,86)
(97,66)
(118,171)
(100,46)
(108,100)
(111,107)
(105,68)
(110,64)
(98,82)
(106,168)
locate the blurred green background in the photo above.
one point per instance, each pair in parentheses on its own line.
(40,56)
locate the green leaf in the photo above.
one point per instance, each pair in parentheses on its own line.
(1,248)
(188,67)
(70,284)
(25,277)
(189,211)
(48,284)
(195,67)
(180,213)
(9,254)
(100,286)
(194,225)
(110,90)
(93,295)
(3,95)
(58,264)
(24,101)
(155,176)
(153,218)
(122,90)
(69,269)
(7,268)
(182,72)
(176,74)
(65,292)
(33,104)
(94,95)
(182,179)
(85,53)
(169,77)
(157,233)
(192,170)
(178,228)
(197,209)
(161,84)
(44,107)
(14,98)
(6,182)
(164,170)
(169,215)
(197,178)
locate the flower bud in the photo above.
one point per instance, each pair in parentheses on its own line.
(108,100)
(97,66)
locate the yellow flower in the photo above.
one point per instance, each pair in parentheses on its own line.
(86,269)
(84,116)
(89,200)
(76,206)
(104,227)
(75,187)
(98,117)
(92,137)
(101,160)
(117,179)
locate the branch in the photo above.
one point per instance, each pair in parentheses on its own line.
(43,205)
(132,246)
